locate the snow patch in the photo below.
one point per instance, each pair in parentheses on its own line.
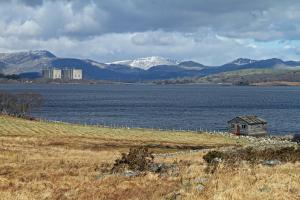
(243,61)
(147,63)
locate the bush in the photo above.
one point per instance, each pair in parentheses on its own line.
(211,156)
(255,156)
(138,159)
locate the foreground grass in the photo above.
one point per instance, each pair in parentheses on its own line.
(43,160)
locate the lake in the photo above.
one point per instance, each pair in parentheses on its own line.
(192,107)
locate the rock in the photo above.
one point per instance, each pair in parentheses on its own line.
(264,189)
(158,167)
(99,177)
(163,168)
(199,188)
(201,180)
(174,196)
(271,162)
(217,160)
(129,173)
(296,138)
(103,176)
(175,172)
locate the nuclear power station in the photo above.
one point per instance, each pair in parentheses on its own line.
(63,74)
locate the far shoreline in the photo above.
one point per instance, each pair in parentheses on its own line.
(157,82)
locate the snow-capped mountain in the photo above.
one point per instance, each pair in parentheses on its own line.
(150,68)
(243,61)
(95,63)
(25,55)
(26,61)
(147,63)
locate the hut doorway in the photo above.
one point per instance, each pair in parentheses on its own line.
(238,130)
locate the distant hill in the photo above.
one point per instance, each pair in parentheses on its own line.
(245,77)
(30,64)
(191,65)
(253,76)
(242,63)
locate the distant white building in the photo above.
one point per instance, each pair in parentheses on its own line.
(64,74)
(71,74)
(52,73)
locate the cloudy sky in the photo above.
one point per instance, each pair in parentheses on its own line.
(209,31)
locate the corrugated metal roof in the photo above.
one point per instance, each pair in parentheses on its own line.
(252,119)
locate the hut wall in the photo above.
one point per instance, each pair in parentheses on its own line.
(257,129)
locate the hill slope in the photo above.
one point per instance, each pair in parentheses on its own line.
(253,76)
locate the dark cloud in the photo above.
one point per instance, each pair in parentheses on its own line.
(31,2)
(232,18)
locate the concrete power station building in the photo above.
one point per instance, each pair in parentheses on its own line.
(71,74)
(52,73)
(64,74)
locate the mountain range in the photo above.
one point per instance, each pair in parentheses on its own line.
(30,64)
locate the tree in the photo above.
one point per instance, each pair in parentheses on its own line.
(19,105)
(7,103)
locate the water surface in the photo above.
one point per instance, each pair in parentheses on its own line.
(171,106)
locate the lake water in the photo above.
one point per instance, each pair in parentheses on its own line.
(167,106)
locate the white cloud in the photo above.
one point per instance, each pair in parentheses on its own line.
(27,28)
(207,49)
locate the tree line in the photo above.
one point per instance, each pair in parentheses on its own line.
(19,105)
(12,76)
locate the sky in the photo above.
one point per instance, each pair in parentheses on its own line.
(211,32)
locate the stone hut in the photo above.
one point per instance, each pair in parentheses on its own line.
(248,125)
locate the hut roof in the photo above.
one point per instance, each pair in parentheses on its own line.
(251,120)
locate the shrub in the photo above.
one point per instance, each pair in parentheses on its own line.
(211,156)
(138,159)
(254,156)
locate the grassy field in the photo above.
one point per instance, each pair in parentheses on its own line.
(45,160)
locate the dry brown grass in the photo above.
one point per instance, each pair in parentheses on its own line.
(42,160)
(258,182)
